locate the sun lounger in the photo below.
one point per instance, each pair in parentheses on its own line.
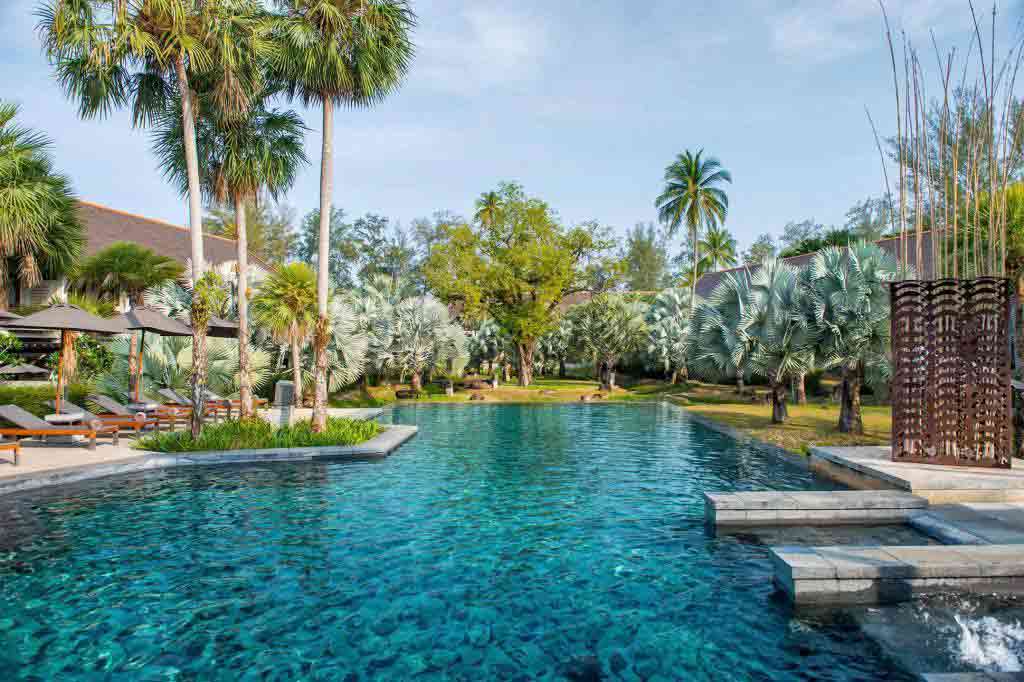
(13,446)
(177,400)
(116,411)
(28,425)
(136,422)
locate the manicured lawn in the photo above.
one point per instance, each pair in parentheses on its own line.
(258,434)
(543,390)
(811,424)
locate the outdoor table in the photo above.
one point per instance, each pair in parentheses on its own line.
(64,419)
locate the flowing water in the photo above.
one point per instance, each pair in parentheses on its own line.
(503,542)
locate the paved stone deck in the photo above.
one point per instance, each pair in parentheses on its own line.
(870,507)
(972,677)
(275,415)
(46,466)
(872,575)
(870,467)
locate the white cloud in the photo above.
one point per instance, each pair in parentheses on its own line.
(475,48)
(819,32)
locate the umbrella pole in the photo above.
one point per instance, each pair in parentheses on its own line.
(142,359)
(60,367)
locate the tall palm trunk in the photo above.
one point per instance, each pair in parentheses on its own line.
(696,261)
(244,387)
(779,410)
(416,381)
(296,371)
(320,334)
(195,227)
(800,388)
(850,419)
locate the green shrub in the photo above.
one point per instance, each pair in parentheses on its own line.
(33,398)
(257,433)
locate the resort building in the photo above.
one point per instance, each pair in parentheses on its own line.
(709,280)
(104,225)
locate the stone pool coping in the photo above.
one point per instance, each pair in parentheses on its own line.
(378,447)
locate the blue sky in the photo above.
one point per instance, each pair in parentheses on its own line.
(583,102)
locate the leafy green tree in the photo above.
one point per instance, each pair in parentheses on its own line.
(717,347)
(606,328)
(286,304)
(488,208)
(342,251)
(256,150)
(268,226)
(693,196)
(822,239)
(850,292)
(669,327)
(719,249)
(761,250)
(870,219)
(338,52)
(781,336)
(39,228)
(645,260)
(516,269)
(556,345)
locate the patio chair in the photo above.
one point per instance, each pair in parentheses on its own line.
(118,412)
(28,425)
(232,402)
(136,422)
(13,446)
(176,400)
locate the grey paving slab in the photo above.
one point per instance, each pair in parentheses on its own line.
(811,508)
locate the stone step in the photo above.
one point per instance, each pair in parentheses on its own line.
(873,575)
(811,508)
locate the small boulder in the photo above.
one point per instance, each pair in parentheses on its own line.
(477,396)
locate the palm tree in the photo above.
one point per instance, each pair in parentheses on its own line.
(488,205)
(669,325)
(717,348)
(112,53)
(286,305)
(719,248)
(781,336)
(259,150)
(425,338)
(39,228)
(125,270)
(850,304)
(331,52)
(693,195)
(607,327)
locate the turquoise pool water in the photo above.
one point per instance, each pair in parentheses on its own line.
(504,542)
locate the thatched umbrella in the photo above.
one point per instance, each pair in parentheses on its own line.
(68,319)
(149,319)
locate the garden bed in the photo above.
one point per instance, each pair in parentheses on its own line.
(257,434)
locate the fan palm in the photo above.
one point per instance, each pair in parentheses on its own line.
(607,327)
(425,338)
(286,305)
(781,336)
(39,229)
(717,348)
(850,311)
(693,195)
(719,249)
(669,326)
(331,52)
(125,270)
(258,150)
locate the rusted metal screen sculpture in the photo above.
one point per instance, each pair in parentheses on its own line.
(951,401)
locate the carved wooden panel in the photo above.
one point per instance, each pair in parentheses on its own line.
(951,401)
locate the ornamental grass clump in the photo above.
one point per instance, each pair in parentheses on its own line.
(255,433)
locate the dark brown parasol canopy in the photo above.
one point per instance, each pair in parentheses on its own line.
(149,319)
(7,317)
(23,371)
(66,319)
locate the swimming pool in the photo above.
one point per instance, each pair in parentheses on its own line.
(503,542)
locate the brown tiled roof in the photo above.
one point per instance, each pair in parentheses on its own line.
(708,281)
(104,226)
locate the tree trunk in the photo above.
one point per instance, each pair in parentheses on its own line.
(133,366)
(296,372)
(684,373)
(850,420)
(607,376)
(674,377)
(507,370)
(415,382)
(320,336)
(779,411)
(800,386)
(526,349)
(198,377)
(195,208)
(561,368)
(696,269)
(740,386)
(244,386)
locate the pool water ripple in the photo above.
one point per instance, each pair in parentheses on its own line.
(503,542)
